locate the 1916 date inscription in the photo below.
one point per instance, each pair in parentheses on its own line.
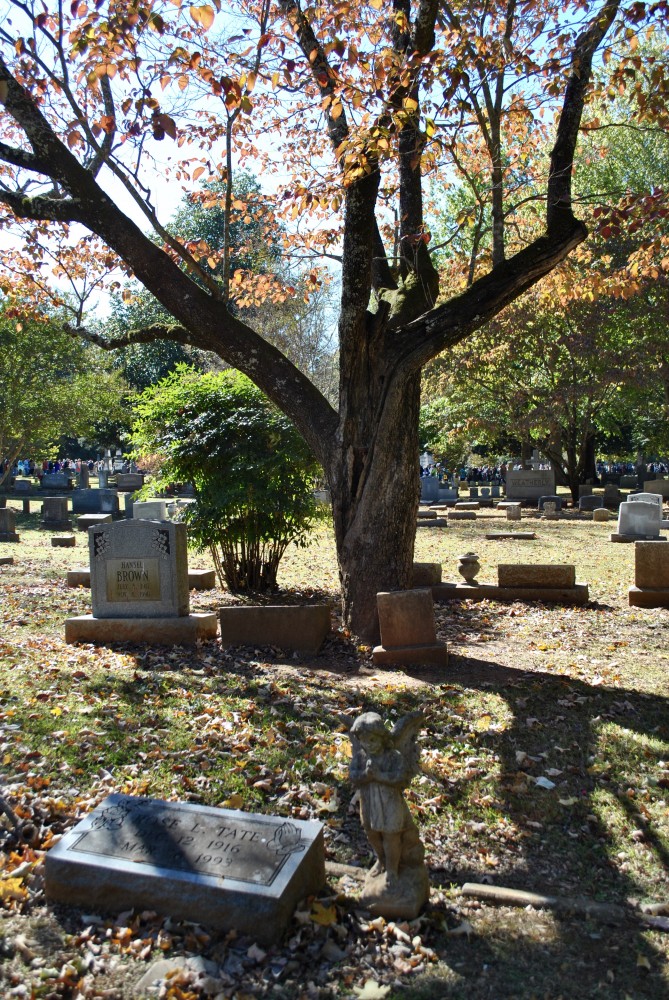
(162,835)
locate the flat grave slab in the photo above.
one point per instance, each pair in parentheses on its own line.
(86,521)
(224,868)
(302,627)
(6,560)
(578,594)
(522,536)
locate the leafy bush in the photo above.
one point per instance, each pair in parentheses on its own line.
(252,472)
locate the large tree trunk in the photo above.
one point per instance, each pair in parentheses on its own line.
(375,492)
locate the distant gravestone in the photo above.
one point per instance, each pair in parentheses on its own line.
(139,587)
(56,481)
(84,477)
(513,511)
(129,481)
(637,521)
(55,516)
(429,488)
(529,483)
(8,525)
(651,575)
(95,502)
(220,867)
(660,486)
(23,486)
(149,510)
(628,482)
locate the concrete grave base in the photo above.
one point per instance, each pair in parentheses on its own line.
(201,579)
(6,560)
(641,597)
(184,630)
(63,541)
(198,579)
(86,521)
(461,515)
(9,536)
(522,536)
(433,522)
(578,594)
(432,654)
(616,537)
(223,868)
(299,627)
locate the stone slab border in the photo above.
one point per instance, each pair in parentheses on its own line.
(300,627)
(184,630)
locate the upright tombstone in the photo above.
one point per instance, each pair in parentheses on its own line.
(513,511)
(84,477)
(660,486)
(229,869)
(149,510)
(56,481)
(408,635)
(95,502)
(23,486)
(55,515)
(429,488)
(139,587)
(638,521)
(129,481)
(651,575)
(529,484)
(8,525)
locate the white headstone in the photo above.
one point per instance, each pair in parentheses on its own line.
(639,519)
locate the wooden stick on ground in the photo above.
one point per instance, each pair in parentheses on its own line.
(609,913)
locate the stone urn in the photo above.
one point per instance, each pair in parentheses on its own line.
(468,567)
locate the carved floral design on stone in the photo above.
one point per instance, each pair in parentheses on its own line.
(101,543)
(161,542)
(111,818)
(286,840)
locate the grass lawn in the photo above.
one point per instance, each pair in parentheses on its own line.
(574,697)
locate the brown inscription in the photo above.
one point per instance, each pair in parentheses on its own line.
(133,580)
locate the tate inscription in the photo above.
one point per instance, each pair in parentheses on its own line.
(133,580)
(245,849)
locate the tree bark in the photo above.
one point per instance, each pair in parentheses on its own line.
(375,493)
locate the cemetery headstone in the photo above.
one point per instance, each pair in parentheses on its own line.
(56,481)
(8,525)
(129,481)
(651,575)
(429,488)
(601,514)
(295,627)
(84,477)
(590,502)
(408,635)
(638,521)
(554,499)
(23,486)
(139,587)
(63,541)
(425,574)
(224,868)
(529,483)
(658,486)
(55,516)
(513,512)
(149,510)
(95,502)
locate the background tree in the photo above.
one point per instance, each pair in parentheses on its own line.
(361,103)
(50,386)
(254,475)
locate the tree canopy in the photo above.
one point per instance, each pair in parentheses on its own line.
(50,386)
(351,107)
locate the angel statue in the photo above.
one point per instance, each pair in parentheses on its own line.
(383,763)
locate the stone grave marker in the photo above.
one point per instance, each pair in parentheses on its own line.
(84,477)
(139,587)
(651,575)
(429,488)
(513,512)
(302,627)
(95,502)
(129,481)
(220,867)
(8,525)
(6,560)
(56,481)
(149,510)
(655,498)
(601,514)
(23,486)
(638,521)
(408,636)
(660,486)
(529,483)
(550,511)
(55,516)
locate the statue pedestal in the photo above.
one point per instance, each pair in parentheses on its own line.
(401,897)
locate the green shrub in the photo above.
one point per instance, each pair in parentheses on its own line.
(252,472)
